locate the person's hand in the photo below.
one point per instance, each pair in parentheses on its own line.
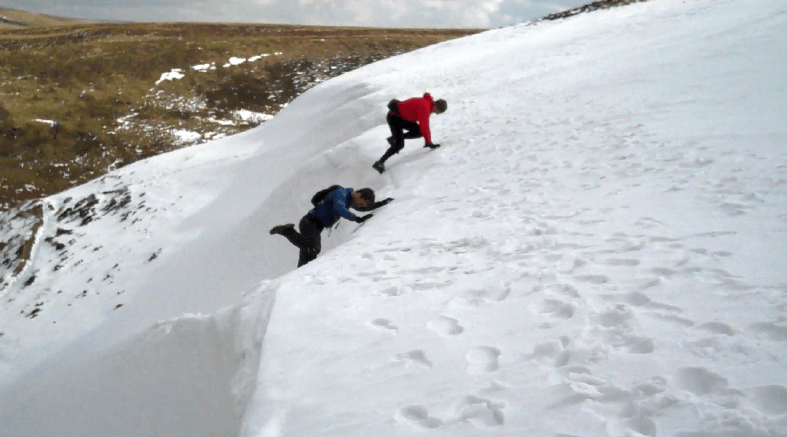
(432,146)
(363,219)
(386,201)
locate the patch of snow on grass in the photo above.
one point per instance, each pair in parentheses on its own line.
(235,61)
(222,121)
(214,135)
(204,67)
(124,122)
(253,117)
(176,73)
(185,136)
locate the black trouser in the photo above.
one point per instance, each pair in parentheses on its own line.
(308,240)
(398,127)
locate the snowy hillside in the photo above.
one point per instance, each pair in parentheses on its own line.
(597,249)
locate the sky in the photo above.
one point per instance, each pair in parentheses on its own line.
(596,249)
(372,13)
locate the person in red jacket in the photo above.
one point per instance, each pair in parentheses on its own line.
(412,116)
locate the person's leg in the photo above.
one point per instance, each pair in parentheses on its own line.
(305,257)
(308,229)
(397,125)
(288,231)
(310,236)
(413,130)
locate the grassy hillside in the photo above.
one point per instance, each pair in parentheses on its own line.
(77,101)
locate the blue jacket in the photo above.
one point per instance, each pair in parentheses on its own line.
(335,206)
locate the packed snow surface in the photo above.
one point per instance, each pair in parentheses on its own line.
(597,249)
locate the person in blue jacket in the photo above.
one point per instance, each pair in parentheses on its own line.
(330,204)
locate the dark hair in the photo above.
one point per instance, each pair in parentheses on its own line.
(367,194)
(441,105)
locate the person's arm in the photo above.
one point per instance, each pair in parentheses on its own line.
(375,205)
(340,206)
(423,123)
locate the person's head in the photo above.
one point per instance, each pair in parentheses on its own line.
(440,106)
(363,197)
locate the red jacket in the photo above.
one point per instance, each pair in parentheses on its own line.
(418,110)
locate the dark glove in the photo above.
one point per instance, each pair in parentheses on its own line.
(432,146)
(385,202)
(363,219)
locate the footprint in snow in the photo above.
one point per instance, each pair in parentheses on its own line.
(620,315)
(633,344)
(771,399)
(445,326)
(557,308)
(419,416)
(718,328)
(622,262)
(699,381)
(483,359)
(773,331)
(384,324)
(480,412)
(593,279)
(493,293)
(393,291)
(414,357)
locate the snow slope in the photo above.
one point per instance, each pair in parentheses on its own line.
(597,249)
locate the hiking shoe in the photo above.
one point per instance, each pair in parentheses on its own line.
(281,228)
(379,167)
(391,141)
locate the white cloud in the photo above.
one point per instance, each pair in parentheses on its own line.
(378,13)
